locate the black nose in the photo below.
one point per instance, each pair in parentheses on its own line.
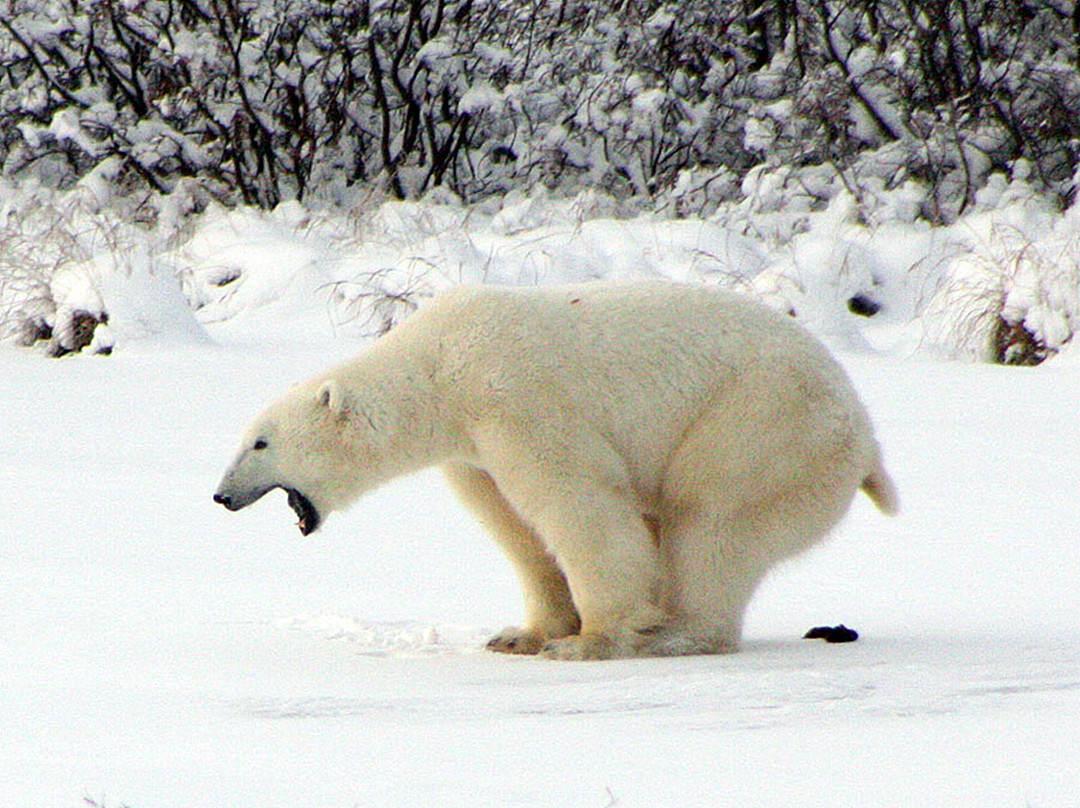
(221,499)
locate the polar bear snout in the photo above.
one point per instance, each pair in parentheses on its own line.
(224,499)
(234,503)
(234,499)
(241,484)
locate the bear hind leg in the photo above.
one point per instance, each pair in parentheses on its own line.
(711,582)
(717,560)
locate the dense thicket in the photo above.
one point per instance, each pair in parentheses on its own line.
(266,101)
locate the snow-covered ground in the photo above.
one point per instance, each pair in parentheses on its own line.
(159,651)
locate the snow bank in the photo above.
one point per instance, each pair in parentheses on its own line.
(861,272)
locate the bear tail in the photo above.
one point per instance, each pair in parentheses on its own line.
(878,485)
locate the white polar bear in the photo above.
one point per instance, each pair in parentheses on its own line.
(643,453)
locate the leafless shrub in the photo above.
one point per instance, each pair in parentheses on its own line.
(298,99)
(377,301)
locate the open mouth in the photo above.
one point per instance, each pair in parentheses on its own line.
(307,516)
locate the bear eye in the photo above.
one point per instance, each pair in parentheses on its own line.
(260,444)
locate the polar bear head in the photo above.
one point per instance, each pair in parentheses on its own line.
(309,443)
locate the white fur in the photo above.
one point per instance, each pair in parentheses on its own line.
(643,453)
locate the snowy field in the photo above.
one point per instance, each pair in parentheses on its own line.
(158,651)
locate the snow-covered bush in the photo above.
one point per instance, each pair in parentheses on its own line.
(942,93)
(668,102)
(42,295)
(74,277)
(1014,299)
(266,102)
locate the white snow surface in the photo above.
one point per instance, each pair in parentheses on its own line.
(160,651)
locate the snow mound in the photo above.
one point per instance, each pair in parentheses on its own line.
(145,303)
(854,270)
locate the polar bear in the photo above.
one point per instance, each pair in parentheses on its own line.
(643,453)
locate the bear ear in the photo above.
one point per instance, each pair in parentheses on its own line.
(331,396)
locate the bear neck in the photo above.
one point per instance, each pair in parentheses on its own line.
(403,405)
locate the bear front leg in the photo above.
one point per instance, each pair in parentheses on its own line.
(549,608)
(614,575)
(605,548)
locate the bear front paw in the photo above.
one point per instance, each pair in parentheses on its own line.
(514,640)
